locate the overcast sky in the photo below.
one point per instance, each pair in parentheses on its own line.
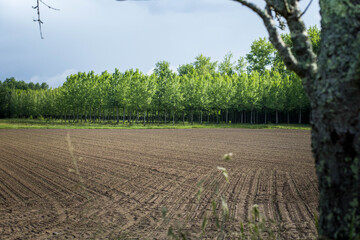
(103,35)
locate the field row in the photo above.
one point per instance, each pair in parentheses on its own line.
(127,176)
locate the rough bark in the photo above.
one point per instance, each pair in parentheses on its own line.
(332,82)
(336,120)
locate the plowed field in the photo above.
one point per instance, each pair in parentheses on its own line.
(127,176)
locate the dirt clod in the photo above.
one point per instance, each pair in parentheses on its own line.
(128,176)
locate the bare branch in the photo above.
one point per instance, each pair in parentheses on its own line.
(303,63)
(37,8)
(306,8)
(301,42)
(252,7)
(284,51)
(56,9)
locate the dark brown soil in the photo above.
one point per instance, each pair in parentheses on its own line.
(128,176)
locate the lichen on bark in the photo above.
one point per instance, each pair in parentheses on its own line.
(332,82)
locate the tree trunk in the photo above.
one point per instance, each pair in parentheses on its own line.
(276,117)
(165,116)
(144,118)
(336,121)
(265,117)
(183,117)
(332,82)
(288,117)
(124,116)
(299,116)
(251,117)
(227,116)
(117,115)
(174,117)
(192,116)
(99,115)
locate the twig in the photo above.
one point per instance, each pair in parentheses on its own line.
(288,57)
(306,8)
(56,9)
(37,8)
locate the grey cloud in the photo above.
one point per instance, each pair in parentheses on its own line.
(185,6)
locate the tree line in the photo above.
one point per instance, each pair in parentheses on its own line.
(254,89)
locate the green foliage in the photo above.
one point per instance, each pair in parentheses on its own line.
(20,123)
(220,91)
(228,67)
(314,34)
(241,65)
(12,83)
(203,65)
(261,55)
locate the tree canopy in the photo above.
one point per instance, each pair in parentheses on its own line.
(203,91)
